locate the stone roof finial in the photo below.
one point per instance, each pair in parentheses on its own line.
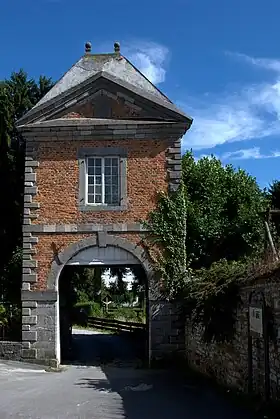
(87,47)
(117,47)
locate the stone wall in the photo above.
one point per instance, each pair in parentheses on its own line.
(228,363)
(167,330)
(11,350)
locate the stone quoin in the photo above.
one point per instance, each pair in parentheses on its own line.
(102,113)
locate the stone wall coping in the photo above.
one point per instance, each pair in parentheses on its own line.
(47,295)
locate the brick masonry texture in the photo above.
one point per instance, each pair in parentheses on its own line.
(117,108)
(228,362)
(58,180)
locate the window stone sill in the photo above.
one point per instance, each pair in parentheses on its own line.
(97,208)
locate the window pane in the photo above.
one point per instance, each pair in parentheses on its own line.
(98,180)
(115,170)
(108,199)
(98,170)
(98,199)
(108,170)
(98,189)
(107,161)
(115,199)
(90,180)
(115,180)
(97,162)
(90,189)
(90,199)
(90,170)
(115,162)
(91,162)
(108,180)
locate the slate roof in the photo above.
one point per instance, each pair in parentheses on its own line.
(90,72)
(113,64)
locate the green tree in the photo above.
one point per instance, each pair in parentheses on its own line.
(273,194)
(225,210)
(88,282)
(18,94)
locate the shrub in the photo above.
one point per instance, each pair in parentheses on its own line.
(91,308)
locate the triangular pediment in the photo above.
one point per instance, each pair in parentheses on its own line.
(105,96)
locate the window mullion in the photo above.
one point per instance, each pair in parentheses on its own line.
(103,180)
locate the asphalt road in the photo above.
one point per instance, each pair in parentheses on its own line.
(105,385)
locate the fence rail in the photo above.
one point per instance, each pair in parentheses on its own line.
(115,325)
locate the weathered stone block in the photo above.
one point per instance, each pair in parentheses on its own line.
(29,353)
(29,319)
(26,311)
(25,327)
(31,304)
(30,336)
(29,263)
(29,277)
(26,345)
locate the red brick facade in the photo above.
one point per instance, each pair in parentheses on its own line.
(57,179)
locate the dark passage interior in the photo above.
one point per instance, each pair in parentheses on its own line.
(103,315)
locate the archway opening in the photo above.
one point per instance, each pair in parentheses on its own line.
(103,308)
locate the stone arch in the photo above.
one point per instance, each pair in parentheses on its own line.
(64,256)
(69,252)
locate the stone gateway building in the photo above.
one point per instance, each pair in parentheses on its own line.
(100,145)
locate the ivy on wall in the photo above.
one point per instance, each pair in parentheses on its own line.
(166,243)
(209,296)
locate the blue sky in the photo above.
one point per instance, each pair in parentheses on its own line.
(219,60)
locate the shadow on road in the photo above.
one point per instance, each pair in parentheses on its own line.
(161,395)
(97,349)
(147,394)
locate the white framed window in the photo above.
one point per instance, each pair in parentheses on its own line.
(102,181)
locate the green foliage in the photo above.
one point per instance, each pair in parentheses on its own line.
(211,298)
(224,212)
(91,308)
(206,231)
(18,94)
(87,282)
(3,316)
(125,314)
(6,118)
(167,226)
(11,278)
(273,195)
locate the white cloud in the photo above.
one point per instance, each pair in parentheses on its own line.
(150,58)
(243,154)
(249,153)
(253,112)
(266,63)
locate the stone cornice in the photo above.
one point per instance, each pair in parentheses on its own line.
(84,228)
(89,128)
